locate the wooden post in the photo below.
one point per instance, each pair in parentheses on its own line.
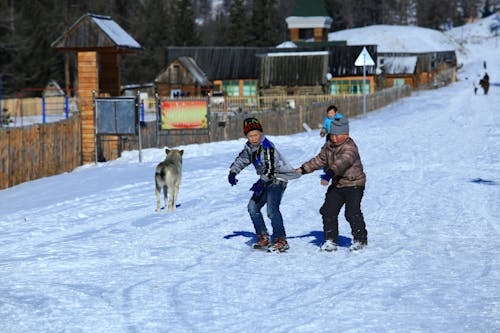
(88,80)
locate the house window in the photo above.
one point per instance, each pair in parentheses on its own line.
(231,88)
(348,87)
(398,82)
(175,74)
(306,34)
(250,88)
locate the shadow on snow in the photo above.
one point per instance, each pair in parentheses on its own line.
(317,238)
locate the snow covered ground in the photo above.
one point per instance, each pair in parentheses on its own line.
(86,252)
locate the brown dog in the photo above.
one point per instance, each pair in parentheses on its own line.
(168,177)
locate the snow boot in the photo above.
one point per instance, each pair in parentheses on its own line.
(358,245)
(263,242)
(280,245)
(329,246)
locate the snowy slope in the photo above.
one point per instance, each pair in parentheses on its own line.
(396,38)
(85,251)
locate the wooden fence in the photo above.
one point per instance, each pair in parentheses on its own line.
(279,120)
(37,151)
(32,152)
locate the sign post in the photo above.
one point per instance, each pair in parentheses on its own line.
(364,59)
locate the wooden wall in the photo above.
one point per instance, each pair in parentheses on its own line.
(88,81)
(32,152)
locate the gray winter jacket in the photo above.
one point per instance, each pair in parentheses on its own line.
(268,162)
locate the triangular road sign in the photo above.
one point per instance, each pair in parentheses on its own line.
(364,59)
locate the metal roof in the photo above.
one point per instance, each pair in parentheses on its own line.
(94,32)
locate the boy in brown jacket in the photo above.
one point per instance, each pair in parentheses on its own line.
(340,159)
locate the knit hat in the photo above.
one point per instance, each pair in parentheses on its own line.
(251,124)
(339,126)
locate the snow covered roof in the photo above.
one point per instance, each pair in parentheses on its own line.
(398,65)
(195,70)
(91,32)
(119,36)
(286,45)
(396,38)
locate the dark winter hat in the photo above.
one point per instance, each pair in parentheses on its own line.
(339,126)
(251,124)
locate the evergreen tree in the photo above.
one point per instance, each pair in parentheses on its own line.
(265,23)
(237,31)
(183,23)
(486,9)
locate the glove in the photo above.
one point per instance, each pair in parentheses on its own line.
(338,116)
(231,178)
(326,177)
(258,187)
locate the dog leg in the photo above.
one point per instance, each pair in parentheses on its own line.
(165,195)
(176,192)
(157,193)
(171,199)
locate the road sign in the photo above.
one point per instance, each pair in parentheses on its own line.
(364,59)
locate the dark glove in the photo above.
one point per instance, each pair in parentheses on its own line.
(258,187)
(326,176)
(231,178)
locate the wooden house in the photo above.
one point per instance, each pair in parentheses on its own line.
(183,77)
(233,70)
(419,57)
(251,71)
(419,70)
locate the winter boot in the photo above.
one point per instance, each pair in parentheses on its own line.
(358,245)
(280,245)
(263,242)
(329,246)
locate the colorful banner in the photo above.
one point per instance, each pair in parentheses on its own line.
(184,114)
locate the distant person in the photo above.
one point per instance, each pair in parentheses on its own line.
(485,83)
(331,113)
(341,158)
(274,172)
(475,88)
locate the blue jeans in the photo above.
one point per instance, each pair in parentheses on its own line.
(271,195)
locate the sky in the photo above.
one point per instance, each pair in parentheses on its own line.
(85,251)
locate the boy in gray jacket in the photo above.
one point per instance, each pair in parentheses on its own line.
(274,172)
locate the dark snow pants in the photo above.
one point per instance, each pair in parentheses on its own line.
(335,198)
